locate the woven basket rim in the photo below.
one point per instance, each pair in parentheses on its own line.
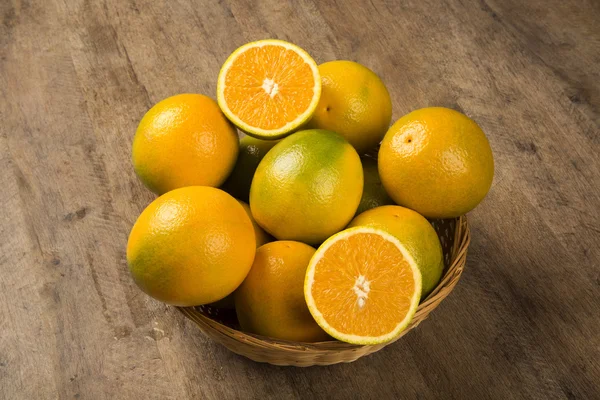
(223,333)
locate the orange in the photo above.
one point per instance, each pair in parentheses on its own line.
(307,187)
(354,103)
(251,152)
(437,162)
(415,233)
(184,140)
(374,194)
(262,237)
(191,246)
(269,88)
(270,301)
(362,286)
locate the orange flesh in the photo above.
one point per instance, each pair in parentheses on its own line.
(250,92)
(391,285)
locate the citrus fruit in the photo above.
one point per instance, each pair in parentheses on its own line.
(251,152)
(374,194)
(362,286)
(191,246)
(262,237)
(307,187)
(437,162)
(184,140)
(269,88)
(354,103)
(270,301)
(415,233)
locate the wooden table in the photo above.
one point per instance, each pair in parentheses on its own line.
(75,78)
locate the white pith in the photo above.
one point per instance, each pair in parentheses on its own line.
(271,87)
(361,289)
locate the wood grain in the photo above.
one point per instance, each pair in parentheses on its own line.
(75,78)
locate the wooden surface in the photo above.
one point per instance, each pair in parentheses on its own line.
(75,78)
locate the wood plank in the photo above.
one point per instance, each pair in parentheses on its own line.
(76,77)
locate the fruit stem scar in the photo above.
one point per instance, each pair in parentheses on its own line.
(361,289)
(270,87)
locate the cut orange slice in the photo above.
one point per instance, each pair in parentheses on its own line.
(362,286)
(269,88)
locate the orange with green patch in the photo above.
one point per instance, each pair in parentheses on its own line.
(191,246)
(252,150)
(374,194)
(307,187)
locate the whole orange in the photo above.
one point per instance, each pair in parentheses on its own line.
(191,246)
(374,194)
(436,161)
(262,237)
(307,187)
(184,140)
(252,150)
(270,301)
(354,103)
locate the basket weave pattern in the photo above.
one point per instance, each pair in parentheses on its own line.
(221,325)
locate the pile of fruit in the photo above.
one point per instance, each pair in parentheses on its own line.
(334,243)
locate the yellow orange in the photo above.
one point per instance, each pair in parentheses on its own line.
(270,301)
(269,88)
(437,162)
(415,233)
(307,187)
(354,103)
(362,286)
(191,246)
(184,140)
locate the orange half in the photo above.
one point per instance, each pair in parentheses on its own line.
(362,286)
(269,88)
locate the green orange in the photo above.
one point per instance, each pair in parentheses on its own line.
(374,194)
(436,161)
(307,187)
(251,152)
(354,103)
(262,237)
(270,301)
(184,140)
(191,246)
(415,233)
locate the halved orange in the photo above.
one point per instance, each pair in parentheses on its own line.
(269,88)
(362,286)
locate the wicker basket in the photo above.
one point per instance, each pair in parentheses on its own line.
(221,325)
